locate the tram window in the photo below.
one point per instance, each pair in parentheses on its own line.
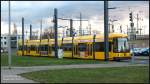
(61,47)
(99,46)
(28,48)
(88,49)
(33,47)
(76,49)
(82,46)
(67,47)
(121,45)
(25,47)
(39,48)
(50,49)
(53,48)
(44,48)
(20,48)
(110,46)
(91,49)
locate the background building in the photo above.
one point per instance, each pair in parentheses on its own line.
(141,41)
(4,42)
(14,40)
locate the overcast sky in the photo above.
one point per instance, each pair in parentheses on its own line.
(33,11)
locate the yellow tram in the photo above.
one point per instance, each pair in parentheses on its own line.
(84,47)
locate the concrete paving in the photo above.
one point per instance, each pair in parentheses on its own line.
(142,57)
(11,75)
(15,79)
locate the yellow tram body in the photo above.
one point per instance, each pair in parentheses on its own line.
(19,51)
(84,47)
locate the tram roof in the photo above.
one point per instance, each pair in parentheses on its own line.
(111,35)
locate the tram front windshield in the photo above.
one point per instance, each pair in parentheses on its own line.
(121,45)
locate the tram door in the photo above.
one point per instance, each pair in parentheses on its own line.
(90,51)
(37,50)
(49,50)
(76,51)
(83,50)
(44,50)
(28,49)
(87,51)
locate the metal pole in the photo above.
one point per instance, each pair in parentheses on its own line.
(26,34)
(132,58)
(22,36)
(17,39)
(71,27)
(127,30)
(40,30)
(121,28)
(132,27)
(106,30)
(80,30)
(30,32)
(55,26)
(113,28)
(94,46)
(108,27)
(15,29)
(90,28)
(140,30)
(9,39)
(72,44)
(137,22)
(40,34)
(132,37)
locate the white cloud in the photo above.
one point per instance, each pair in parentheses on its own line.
(5,28)
(33,10)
